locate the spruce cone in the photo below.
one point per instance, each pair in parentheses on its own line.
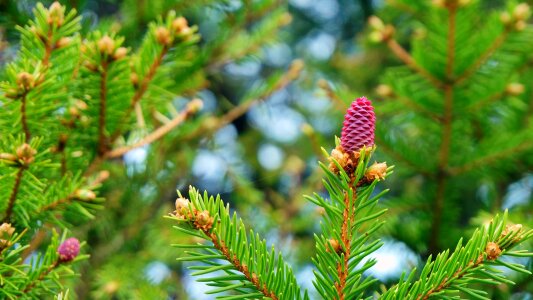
(358,127)
(68,250)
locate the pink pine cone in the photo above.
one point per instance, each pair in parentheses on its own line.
(359,125)
(69,249)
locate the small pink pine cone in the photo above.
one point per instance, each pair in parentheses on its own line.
(359,125)
(68,250)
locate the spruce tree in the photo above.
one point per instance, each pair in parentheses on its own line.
(72,105)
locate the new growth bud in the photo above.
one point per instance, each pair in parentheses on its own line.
(359,125)
(162,35)
(380,32)
(180,26)
(63,42)
(522,11)
(182,207)
(515,88)
(334,244)
(376,171)
(384,90)
(56,14)
(68,250)
(106,45)
(6,231)
(195,105)
(120,53)
(203,221)
(25,80)
(85,195)
(26,154)
(493,251)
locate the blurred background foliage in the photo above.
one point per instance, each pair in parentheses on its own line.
(265,117)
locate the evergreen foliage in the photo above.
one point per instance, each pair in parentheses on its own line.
(459,93)
(72,105)
(80,95)
(248,269)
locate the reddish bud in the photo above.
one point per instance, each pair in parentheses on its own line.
(359,125)
(68,250)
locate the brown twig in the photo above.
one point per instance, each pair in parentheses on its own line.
(400,52)
(48,47)
(460,273)
(14,192)
(241,109)
(444,151)
(56,203)
(346,239)
(231,257)
(155,135)
(41,277)
(141,90)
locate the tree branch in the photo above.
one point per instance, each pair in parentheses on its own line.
(157,134)
(14,192)
(41,277)
(484,161)
(400,52)
(231,257)
(483,57)
(343,268)
(143,87)
(444,151)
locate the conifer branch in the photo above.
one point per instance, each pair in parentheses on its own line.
(14,193)
(343,243)
(403,55)
(343,266)
(41,277)
(56,203)
(252,277)
(141,90)
(192,107)
(264,273)
(447,123)
(491,158)
(498,42)
(400,157)
(454,272)
(474,107)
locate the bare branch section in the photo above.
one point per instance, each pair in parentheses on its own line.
(13,195)
(143,87)
(192,107)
